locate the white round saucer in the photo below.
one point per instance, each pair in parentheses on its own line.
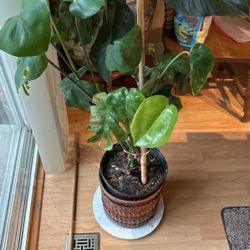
(123,232)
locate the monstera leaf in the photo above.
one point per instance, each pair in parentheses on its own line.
(27,34)
(116,104)
(112,114)
(125,54)
(104,122)
(133,100)
(118,21)
(153,122)
(210,7)
(29,68)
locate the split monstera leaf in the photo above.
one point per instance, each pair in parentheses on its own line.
(122,113)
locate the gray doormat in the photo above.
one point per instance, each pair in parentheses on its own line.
(236,222)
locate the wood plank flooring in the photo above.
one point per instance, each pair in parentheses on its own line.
(209,168)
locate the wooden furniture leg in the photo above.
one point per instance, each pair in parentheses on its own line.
(246,108)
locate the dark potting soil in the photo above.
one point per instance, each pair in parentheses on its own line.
(127,179)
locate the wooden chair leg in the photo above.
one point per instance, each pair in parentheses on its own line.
(246,108)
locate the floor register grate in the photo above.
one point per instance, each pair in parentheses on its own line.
(86,241)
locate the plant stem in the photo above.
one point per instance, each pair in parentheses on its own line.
(63,46)
(85,52)
(140,22)
(63,73)
(70,78)
(65,60)
(174,59)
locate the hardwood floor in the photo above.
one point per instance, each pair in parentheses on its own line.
(209,168)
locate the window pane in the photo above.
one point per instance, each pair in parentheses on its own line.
(9,139)
(5,113)
(17,163)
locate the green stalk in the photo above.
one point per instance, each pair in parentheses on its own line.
(63,46)
(85,52)
(174,59)
(65,60)
(63,73)
(70,78)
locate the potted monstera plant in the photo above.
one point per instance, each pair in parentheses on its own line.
(132,170)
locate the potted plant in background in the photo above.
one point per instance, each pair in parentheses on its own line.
(137,119)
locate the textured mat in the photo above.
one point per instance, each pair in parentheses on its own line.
(237,227)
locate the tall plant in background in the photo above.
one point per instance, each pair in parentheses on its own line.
(95,25)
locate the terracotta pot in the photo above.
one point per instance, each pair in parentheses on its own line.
(118,80)
(98,78)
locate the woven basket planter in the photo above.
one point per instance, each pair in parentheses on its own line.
(130,213)
(130,210)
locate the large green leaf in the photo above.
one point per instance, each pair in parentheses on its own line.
(153,122)
(201,63)
(77,93)
(125,54)
(27,34)
(104,122)
(133,100)
(85,8)
(118,20)
(29,68)
(210,7)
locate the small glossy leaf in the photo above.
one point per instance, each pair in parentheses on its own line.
(210,7)
(29,68)
(85,8)
(77,93)
(27,34)
(133,101)
(201,62)
(104,122)
(125,54)
(153,122)
(116,103)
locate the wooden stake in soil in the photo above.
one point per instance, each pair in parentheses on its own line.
(74,193)
(140,22)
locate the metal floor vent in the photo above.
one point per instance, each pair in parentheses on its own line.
(87,241)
